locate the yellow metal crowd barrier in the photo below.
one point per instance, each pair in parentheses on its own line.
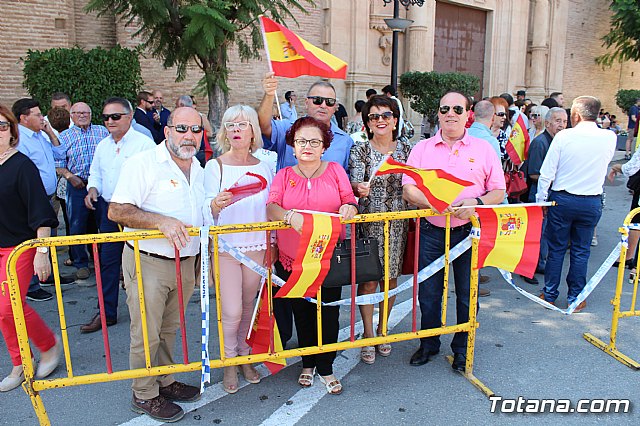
(33,387)
(618,313)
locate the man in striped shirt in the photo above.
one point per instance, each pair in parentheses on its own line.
(79,143)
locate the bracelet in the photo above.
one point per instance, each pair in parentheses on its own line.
(287,217)
(479,201)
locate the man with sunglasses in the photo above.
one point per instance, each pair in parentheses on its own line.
(144,107)
(453,150)
(122,143)
(321,104)
(162,189)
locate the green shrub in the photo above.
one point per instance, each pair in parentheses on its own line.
(424,89)
(87,76)
(625,98)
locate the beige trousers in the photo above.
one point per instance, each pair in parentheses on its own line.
(162,312)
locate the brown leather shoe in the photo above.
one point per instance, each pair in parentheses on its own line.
(580,307)
(542,297)
(95,324)
(157,408)
(483,292)
(177,391)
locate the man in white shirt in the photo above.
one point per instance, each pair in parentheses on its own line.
(111,152)
(162,189)
(574,168)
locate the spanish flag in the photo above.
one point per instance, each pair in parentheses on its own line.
(518,144)
(440,187)
(319,237)
(510,238)
(292,56)
(260,334)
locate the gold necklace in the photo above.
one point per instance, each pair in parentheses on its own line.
(309,177)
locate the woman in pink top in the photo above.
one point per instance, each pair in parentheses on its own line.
(317,185)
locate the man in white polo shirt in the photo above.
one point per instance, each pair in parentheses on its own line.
(161,189)
(110,154)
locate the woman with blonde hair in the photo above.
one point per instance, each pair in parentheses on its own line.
(239,137)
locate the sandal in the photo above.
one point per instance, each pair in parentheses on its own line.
(306,380)
(230,379)
(334,387)
(632,276)
(250,373)
(384,349)
(368,354)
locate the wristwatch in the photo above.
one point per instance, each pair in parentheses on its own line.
(43,250)
(479,201)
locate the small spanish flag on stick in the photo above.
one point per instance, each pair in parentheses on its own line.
(518,144)
(440,187)
(292,56)
(320,234)
(260,333)
(510,238)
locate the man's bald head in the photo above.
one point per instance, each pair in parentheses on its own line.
(483,111)
(81,114)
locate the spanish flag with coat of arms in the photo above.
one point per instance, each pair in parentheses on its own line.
(320,234)
(292,56)
(510,238)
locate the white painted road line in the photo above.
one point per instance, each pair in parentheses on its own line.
(343,364)
(305,399)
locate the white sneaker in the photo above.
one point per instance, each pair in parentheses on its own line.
(594,241)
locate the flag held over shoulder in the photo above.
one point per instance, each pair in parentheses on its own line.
(510,238)
(292,56)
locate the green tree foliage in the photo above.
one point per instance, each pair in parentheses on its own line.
(626,98)
(88,76)
(624,36)
(424,89)
(201,31)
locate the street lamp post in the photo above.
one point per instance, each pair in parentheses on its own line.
(398,24)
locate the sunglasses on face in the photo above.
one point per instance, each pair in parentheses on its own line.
(184,128)
(314,143)
(230,126)
(501,114)
(115,116)
(4,125)
(458,109)
(317,100)
(535,115)
(387,115)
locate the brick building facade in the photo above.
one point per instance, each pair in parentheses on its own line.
(555,51)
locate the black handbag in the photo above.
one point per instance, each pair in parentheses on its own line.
(368,266)
(634,182)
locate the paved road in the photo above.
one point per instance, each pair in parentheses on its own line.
(522,350)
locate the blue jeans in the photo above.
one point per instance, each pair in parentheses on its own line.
(544,245)
(432,239)
(110,260)
(572,219)
(34,284)
(78,215)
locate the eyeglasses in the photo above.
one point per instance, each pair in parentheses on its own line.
(230,126)
(458,109)
(535,115)
(82,113)
(4,125)
(314,143)
(387,115)
(317,100)
(501,114)
(184,128)
(115,116)
(148,101)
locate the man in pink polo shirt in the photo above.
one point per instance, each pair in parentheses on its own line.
(453,150)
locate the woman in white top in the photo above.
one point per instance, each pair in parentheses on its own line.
(238,137)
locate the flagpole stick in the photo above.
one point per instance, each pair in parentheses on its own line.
(506,206)
(266,49)
(373,175)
